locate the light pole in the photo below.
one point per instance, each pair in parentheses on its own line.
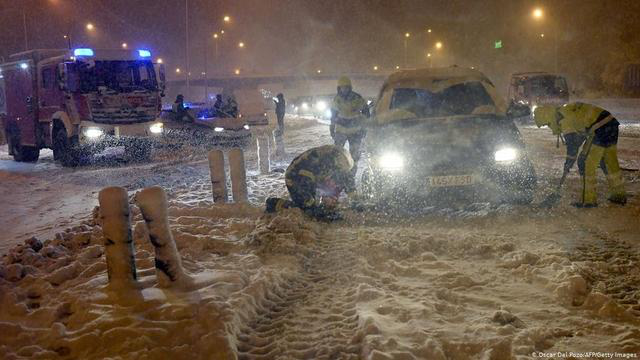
(538,15)
(406,40)
(186,46)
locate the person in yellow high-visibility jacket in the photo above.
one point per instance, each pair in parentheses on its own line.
(348,113)
(596,131)
(315,179)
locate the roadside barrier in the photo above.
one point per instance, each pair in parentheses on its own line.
(279,142)
(263,153)
(218,176)
(238,174)
(153,205)
(118,242)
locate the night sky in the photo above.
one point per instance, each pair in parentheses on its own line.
(298,36)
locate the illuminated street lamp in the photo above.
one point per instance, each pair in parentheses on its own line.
(406,42)
(541,35)
(90,27)
(537,13)
(241,44)
(237,72)
(397,67)
(178,71)
(319,71)
(375,68)
(429,31)
(438,45)
(226,18)
(159,61)
(124,45)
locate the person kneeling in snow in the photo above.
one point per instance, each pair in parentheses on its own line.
(315,179)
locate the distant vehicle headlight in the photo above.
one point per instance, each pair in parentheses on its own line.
(305,106)
(321,105)
(93,132)
(218,129)
(506,154)
(391,161)
(156,128)
(246,127)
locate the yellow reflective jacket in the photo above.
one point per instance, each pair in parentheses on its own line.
(576,118)
(349,107)
(321,163)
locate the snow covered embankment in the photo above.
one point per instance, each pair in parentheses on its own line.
(55,299)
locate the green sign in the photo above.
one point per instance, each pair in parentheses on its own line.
(498,44)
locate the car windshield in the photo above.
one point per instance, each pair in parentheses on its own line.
(459,99)
(120,76)
(546,85)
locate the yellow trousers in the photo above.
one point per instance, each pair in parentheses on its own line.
(614,176)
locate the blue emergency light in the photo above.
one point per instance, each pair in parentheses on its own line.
(144,53)
(83,52)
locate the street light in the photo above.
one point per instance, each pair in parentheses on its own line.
(159,61)
(375,68)
(237,72)
(429,31)
(241,44)
(318,71)
(124,45)
(226,18)
(537,13)
(90,27)
(406,41)
(397,67)
(178,71)
(438,45)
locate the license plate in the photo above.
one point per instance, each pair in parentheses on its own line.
(453,180)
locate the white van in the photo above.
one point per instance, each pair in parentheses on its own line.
(251,107)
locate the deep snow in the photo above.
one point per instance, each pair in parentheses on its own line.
(479,282)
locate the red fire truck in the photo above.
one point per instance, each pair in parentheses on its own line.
(80,101)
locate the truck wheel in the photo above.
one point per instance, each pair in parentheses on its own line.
(21,153)
(65,149)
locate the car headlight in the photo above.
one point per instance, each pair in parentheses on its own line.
(93,132)
(391,161)
(156,128)
(506,154)
(321,105)
(246,127)
(218,129)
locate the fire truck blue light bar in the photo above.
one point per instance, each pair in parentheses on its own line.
(144,53)
(83,52)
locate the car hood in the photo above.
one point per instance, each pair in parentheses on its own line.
(470,137)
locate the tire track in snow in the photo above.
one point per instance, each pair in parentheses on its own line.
(315,317)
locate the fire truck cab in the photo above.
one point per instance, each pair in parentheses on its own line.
(80,101)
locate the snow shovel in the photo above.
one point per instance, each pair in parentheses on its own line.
(551,199)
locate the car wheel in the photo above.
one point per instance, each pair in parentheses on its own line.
(21,153)
(66,149)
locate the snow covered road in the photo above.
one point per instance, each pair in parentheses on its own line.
(454,283)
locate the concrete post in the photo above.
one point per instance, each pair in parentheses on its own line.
(218,176)
(279,142)
(153,206)
(263,153)
(118,242)
(238,175)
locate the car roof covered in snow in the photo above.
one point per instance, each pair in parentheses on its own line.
(436,80)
